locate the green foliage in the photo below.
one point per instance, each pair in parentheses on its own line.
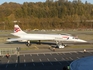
(46,15)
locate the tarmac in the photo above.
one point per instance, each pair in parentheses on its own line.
(41,59)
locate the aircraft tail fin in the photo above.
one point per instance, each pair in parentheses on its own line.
(17,30)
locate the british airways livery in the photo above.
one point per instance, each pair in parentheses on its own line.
(23,36)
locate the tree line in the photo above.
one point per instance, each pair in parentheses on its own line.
(46,15)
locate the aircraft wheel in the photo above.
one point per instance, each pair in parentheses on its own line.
(27,44)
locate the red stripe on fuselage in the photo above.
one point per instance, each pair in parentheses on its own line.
(65,37)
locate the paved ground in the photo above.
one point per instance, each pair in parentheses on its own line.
(41,61)
(40,57)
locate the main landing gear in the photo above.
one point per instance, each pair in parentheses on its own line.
(28,43)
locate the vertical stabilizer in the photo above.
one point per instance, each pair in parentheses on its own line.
(17,30)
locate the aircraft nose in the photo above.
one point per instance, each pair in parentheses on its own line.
(80,40)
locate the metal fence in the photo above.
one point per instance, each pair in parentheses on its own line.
(10,51)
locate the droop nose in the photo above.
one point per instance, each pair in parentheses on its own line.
(80,40)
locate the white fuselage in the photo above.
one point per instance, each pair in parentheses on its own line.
(24,37)
(56,37)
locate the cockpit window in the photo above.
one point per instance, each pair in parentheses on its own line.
(75,37)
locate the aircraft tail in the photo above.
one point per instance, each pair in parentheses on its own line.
(17,30)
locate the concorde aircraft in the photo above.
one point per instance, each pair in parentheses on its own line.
(23,36)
